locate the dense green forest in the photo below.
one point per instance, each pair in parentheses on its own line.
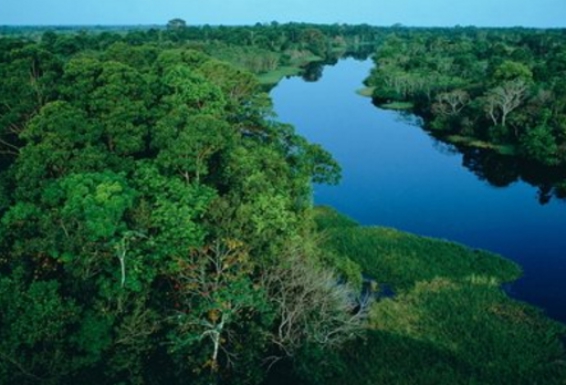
(157,227)
(496,88)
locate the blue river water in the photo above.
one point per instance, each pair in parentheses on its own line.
(395,174)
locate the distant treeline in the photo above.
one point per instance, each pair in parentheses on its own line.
(274,50)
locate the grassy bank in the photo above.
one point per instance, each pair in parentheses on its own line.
(474,142)
(449,321)
(398,106)
(365,92)
(275,76)
(294,66)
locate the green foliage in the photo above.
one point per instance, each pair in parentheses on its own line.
(327,218)
(539,144)
(255,60)
(406,259)
(499,134)
(35,324)
(509,84)
(187,142)
(119,102)
(497,339)
(448,323)
(168,211)
(144,194)
(510,70)
(98,201)
(189,88)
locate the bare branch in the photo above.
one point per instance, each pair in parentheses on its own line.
(506,98)
(451,103)
(312,306)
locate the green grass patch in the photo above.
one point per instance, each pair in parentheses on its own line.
(484,336)
(275,76)
(366,92)
(398,106)
(400,259)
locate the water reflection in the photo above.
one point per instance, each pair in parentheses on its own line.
(312,72)
(501,171)
(493,168)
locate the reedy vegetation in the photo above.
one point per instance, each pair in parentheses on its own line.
(449,321)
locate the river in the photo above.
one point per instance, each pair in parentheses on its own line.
(395,174)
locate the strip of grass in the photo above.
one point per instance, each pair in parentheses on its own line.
(469,141)
(398,106)
(366,92)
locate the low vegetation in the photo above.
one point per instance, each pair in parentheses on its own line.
(449,320)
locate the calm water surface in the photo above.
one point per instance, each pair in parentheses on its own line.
(395,174)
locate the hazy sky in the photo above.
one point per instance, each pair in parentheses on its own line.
(535,13)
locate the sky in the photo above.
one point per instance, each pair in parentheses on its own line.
(482,13)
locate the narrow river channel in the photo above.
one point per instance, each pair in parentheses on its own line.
(397,175)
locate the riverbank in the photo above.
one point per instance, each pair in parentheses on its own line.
(449,321)
(468,141)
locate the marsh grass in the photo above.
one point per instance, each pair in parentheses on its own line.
(400,259)
(449,322)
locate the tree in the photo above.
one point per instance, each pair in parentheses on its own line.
(311,305)
(503,100)
(511,70)
(176,24)
(539,144)
(34,329)
(313,40)
(119,102)
(59,140)
(186,87)
(187,142)
(215,296)
(28,78)
(451,103)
